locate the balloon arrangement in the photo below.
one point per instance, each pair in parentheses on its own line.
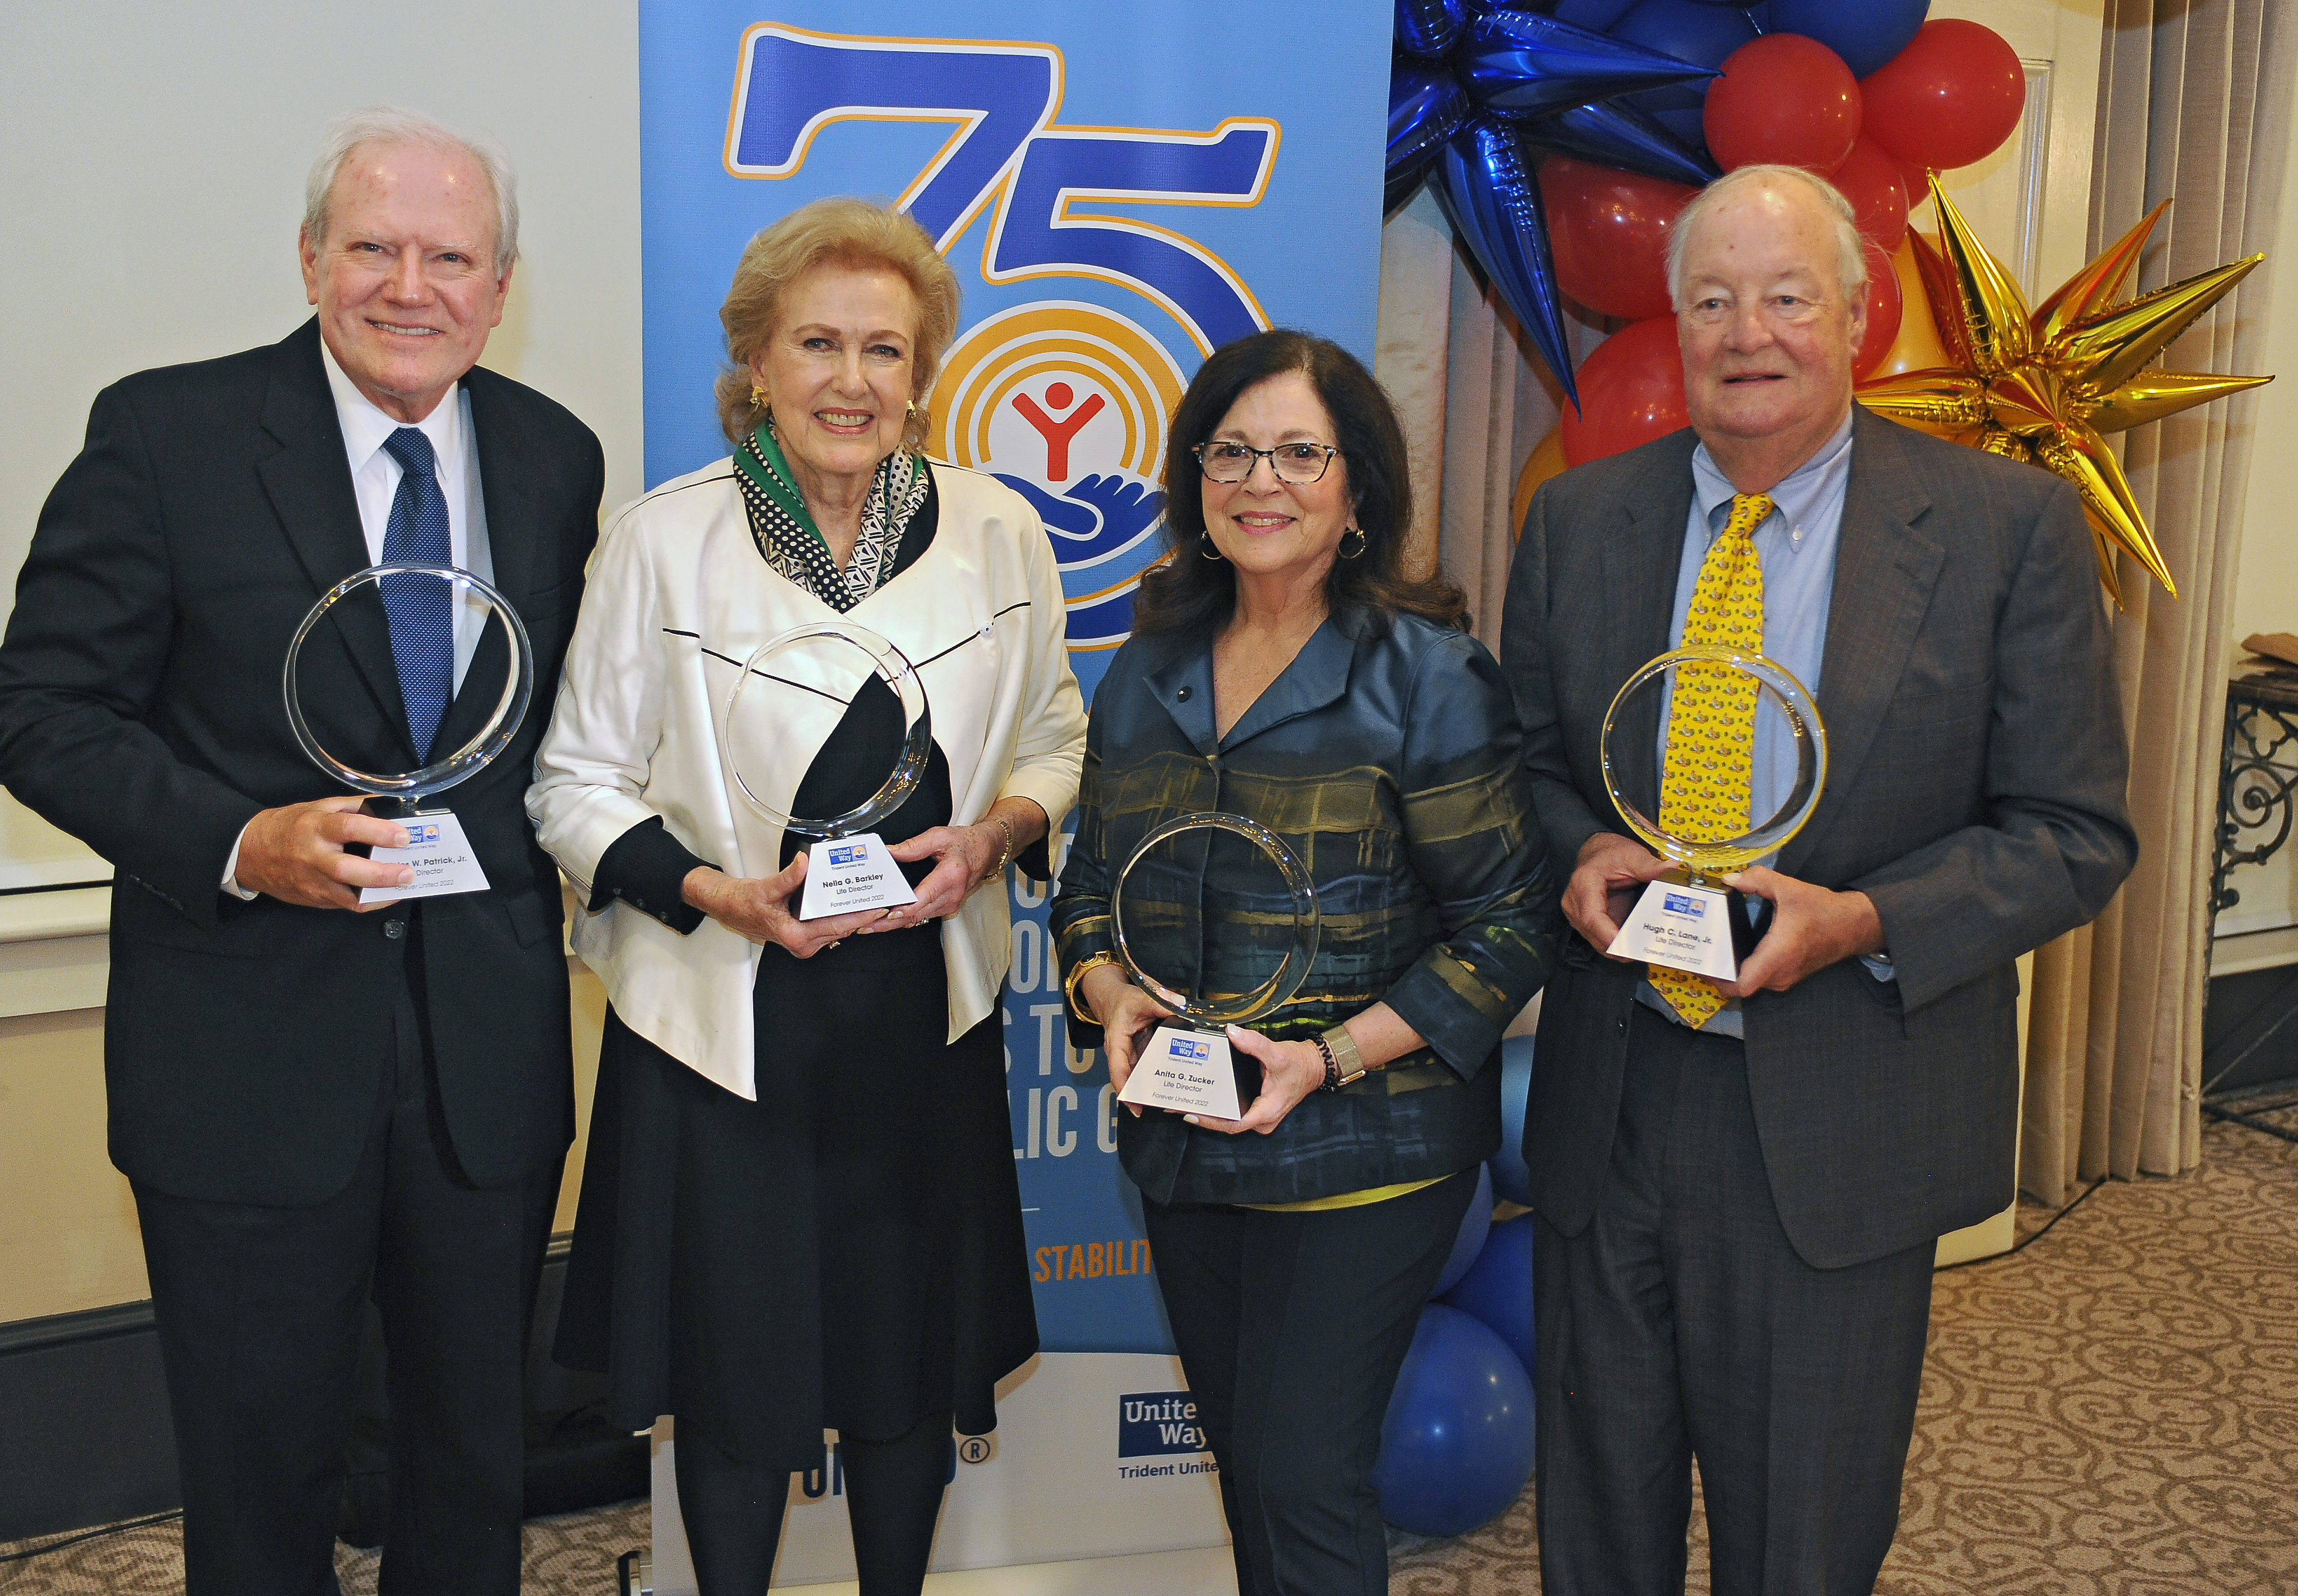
(1563,138)
(1457,1446)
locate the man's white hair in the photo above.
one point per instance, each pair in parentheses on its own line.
(1850,250)
(390,125)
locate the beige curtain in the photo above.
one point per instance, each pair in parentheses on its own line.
(1472,398)
(2193,103)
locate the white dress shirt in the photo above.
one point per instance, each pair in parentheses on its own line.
(375,481)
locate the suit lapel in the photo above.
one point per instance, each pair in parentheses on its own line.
(310,485)
(1641,554)
(1885,572)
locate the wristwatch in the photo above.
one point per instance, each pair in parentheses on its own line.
(1344,1064)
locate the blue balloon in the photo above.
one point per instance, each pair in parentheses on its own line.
(1511,1176)
(1595,15)
(1689,31)
(1452,119)
(1484,184)
(1429,27)
(1614,133)
(1470,1240)
(1426,105)
(1866,34)
(1497,1290)
(1519,65)
(1456,1446)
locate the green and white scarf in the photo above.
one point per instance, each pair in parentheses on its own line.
(793,546)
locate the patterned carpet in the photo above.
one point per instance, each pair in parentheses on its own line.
(2112,1411)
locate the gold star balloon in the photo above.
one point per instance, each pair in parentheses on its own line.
(2044,385)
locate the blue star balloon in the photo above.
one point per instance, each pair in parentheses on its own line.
(1476,89)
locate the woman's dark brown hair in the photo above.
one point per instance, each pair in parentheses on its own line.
(1189,592)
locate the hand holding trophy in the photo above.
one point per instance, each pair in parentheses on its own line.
(793,691)
(1160,892)
(436,848)
(1688,920)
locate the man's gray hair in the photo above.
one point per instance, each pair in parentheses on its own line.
(1850,249)
(390,125)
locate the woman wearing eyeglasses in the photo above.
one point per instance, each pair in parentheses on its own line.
(1287,666)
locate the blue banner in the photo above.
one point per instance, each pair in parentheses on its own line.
(1121,191)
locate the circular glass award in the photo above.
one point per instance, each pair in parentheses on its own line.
(1166,891)
(393,795)
(794,690)
(1784,716)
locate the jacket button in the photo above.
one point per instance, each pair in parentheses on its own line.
(1183,695)
(394,929)
(1624,1027)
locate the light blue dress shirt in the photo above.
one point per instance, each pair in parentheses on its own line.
(1795,545)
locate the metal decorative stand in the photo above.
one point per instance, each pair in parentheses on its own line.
(2258,800)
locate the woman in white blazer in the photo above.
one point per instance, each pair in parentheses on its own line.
(798,1209)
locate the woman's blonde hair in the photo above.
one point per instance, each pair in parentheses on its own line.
(857,234)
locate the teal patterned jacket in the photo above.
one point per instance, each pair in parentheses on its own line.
(1390,765)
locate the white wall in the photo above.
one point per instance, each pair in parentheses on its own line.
(154,180)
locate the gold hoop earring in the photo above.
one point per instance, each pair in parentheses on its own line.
(757,396)
(1363,541)
(1207,548)
(913,411)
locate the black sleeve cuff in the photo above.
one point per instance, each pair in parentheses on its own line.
(646,867)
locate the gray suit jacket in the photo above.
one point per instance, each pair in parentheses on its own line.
(1974,791)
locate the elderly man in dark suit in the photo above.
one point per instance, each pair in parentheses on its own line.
(1739,1185)
(318,1099)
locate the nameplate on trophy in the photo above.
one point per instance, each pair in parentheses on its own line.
(1189,1071)
(440,854)
(846,874)
(1683,927)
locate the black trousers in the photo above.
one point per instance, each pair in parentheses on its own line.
(260,1317)
(1292,1328)
(1681,1324)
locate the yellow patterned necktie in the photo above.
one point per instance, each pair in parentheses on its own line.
(1711,724)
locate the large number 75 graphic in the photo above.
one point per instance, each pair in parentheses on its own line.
(999,99)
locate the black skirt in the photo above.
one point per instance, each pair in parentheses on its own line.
(845,1253)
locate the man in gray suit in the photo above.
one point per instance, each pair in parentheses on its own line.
(1739,1186)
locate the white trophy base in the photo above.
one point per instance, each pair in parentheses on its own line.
(441,856)
(1189,1071)
(846,874)
(1681,926)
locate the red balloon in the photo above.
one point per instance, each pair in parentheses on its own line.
(1949,99)
(1870,180)
(1631,392)
(1885,307)
(1608,231)
(1785,98)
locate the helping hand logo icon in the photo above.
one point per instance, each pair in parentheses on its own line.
(1066,403)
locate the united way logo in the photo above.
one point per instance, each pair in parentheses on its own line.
(1183,1047)
(1066,403)
(1677,903)
(845,855)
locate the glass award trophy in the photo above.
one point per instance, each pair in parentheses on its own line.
(1688,919)
(1165,895)
(436,847)
(794,691)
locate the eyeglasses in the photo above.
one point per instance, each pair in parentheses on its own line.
(1301,464)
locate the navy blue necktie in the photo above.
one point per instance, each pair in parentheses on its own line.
(420,607)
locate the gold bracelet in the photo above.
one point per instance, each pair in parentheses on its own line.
(1077,1004)
(1006,857)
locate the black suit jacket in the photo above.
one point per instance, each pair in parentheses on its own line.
(247,1043)
(1975,779)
